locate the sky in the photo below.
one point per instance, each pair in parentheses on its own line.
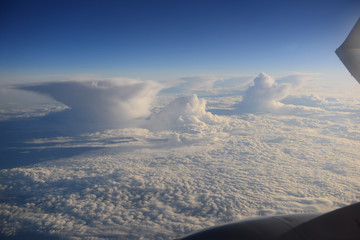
(164,39)
(154,119)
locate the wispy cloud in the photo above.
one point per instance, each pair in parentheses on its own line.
(208,83)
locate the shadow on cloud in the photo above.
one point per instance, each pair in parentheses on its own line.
(17,150)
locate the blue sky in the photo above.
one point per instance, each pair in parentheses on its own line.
(149,39)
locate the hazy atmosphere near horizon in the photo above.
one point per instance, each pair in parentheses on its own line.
(153,119)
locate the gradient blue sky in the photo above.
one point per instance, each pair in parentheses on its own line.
(150,39)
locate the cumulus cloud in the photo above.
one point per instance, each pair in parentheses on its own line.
(263,96)
(183,113)
(99,103)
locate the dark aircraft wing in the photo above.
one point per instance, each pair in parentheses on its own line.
(349,51)
(341,224)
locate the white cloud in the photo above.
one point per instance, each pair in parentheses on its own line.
(298,80)
(104,104)
(308,101)
(183,114)
(263,96)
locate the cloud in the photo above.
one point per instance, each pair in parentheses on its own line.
(202,82)
(308,101)
(297,80)
(263,96)
(266,165)
(231,82)
(99,104)
(182,114)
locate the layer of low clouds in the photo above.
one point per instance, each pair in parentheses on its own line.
(182,167)
(152,186)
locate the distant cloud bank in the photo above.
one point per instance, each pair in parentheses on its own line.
(108,104)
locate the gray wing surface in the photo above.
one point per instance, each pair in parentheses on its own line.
(349,51)
(341,224)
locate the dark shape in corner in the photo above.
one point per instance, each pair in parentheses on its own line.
(349,52)
(343,223)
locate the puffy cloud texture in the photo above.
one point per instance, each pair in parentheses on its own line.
(264,95)
(183,114)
